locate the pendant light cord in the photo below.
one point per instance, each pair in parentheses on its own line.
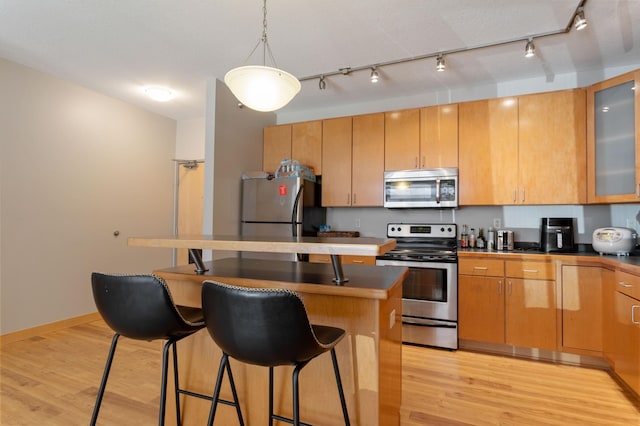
(264,40)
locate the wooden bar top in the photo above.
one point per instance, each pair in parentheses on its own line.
(363,246)
(315,278)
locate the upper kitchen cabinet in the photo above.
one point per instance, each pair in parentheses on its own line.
(488,144)
(613,135)
(353,159)
(439,136)
(402,140)
(525,150)
(306,144)
(298,141)
(276,146)
(552,148)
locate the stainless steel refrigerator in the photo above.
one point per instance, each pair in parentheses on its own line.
(280,207)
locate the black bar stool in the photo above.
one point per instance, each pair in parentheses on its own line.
(267,327)
(141,307)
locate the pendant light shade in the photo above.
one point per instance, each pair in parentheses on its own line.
(262,88)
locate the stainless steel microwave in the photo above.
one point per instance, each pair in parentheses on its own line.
(421,188)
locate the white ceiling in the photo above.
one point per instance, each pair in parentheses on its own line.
(119,46)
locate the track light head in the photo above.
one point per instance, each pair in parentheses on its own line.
(374,75)
(530,49)
(440,65)
(580,22)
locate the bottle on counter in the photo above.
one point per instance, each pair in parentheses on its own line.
(472,238)
(464,237)
(491,238)
(480,241)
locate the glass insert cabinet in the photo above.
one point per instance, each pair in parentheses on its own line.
(613,135)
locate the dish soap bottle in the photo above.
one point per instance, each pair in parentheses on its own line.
(472,238)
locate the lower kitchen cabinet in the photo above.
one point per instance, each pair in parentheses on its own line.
(582,309)
(517,307)
(626,349)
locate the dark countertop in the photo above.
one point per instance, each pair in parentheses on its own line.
(364,280)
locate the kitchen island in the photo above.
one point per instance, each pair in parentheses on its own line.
(367,305)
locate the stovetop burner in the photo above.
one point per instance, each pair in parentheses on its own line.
(423,242)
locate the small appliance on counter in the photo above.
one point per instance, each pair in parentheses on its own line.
(504,240)
(614,240)
(557,235)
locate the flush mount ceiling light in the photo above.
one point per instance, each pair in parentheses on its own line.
(374,75)
(159,94)
(530,49)
(260,87)
(440,65)
(580,22)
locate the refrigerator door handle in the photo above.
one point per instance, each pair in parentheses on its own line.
(294,213)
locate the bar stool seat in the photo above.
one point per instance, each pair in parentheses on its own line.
(266,327)
(141,307)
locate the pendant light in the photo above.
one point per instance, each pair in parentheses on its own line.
(260,87)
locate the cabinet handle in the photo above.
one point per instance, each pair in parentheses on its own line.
(515,195)
(625,285)
(523,195)
(348,198)
(530,271)
(354,198)
(415,162)
(509,288)
(423,161)
(633,314)
(499,286)
(357,261)
(481,268)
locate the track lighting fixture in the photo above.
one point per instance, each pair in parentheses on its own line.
(322,84)
(374,75)
(530,49)
(440,65)
(579,22)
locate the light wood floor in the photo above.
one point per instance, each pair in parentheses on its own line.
(52,380)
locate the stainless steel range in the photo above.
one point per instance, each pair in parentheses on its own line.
(430,291)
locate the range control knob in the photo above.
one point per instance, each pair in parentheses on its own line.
(442,229)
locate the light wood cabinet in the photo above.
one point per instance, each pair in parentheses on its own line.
(525,150)
(298,141)
(608,324)
(353,158)
(505,308)
(402,139)
(613,140)
(345,259)
(552,159)
(582,309)
(276,146)
(488,145)
(626,350)
(439,136)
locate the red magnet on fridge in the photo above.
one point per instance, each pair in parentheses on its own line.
(283,190)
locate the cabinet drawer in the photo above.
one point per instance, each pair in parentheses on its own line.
(481,267)
(530,269)
(628,284)
(345,260)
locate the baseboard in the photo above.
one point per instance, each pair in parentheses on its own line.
(46,328)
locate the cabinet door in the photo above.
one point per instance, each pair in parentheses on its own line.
(481,308)
(613,135)
(581,308)
(488,159)
(402,139)
(306,144)
(368,160)
(336,157)
(608,324)
(530,313)
(439,136)
(552,155)
(276,146)
(626,354)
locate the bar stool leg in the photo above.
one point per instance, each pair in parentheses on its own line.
(163,386)
(336,370)
(105,376)
(176,383)
(234,393)
(270,396)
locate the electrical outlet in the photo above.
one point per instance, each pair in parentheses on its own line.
(392,319)
(497,222)
(357,222)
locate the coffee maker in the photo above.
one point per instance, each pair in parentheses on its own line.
(557,234)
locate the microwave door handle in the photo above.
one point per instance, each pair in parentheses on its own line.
(438,190)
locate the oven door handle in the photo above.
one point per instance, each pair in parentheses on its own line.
(428,322)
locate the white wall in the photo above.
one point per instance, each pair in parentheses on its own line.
(190,139)
(75,166)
